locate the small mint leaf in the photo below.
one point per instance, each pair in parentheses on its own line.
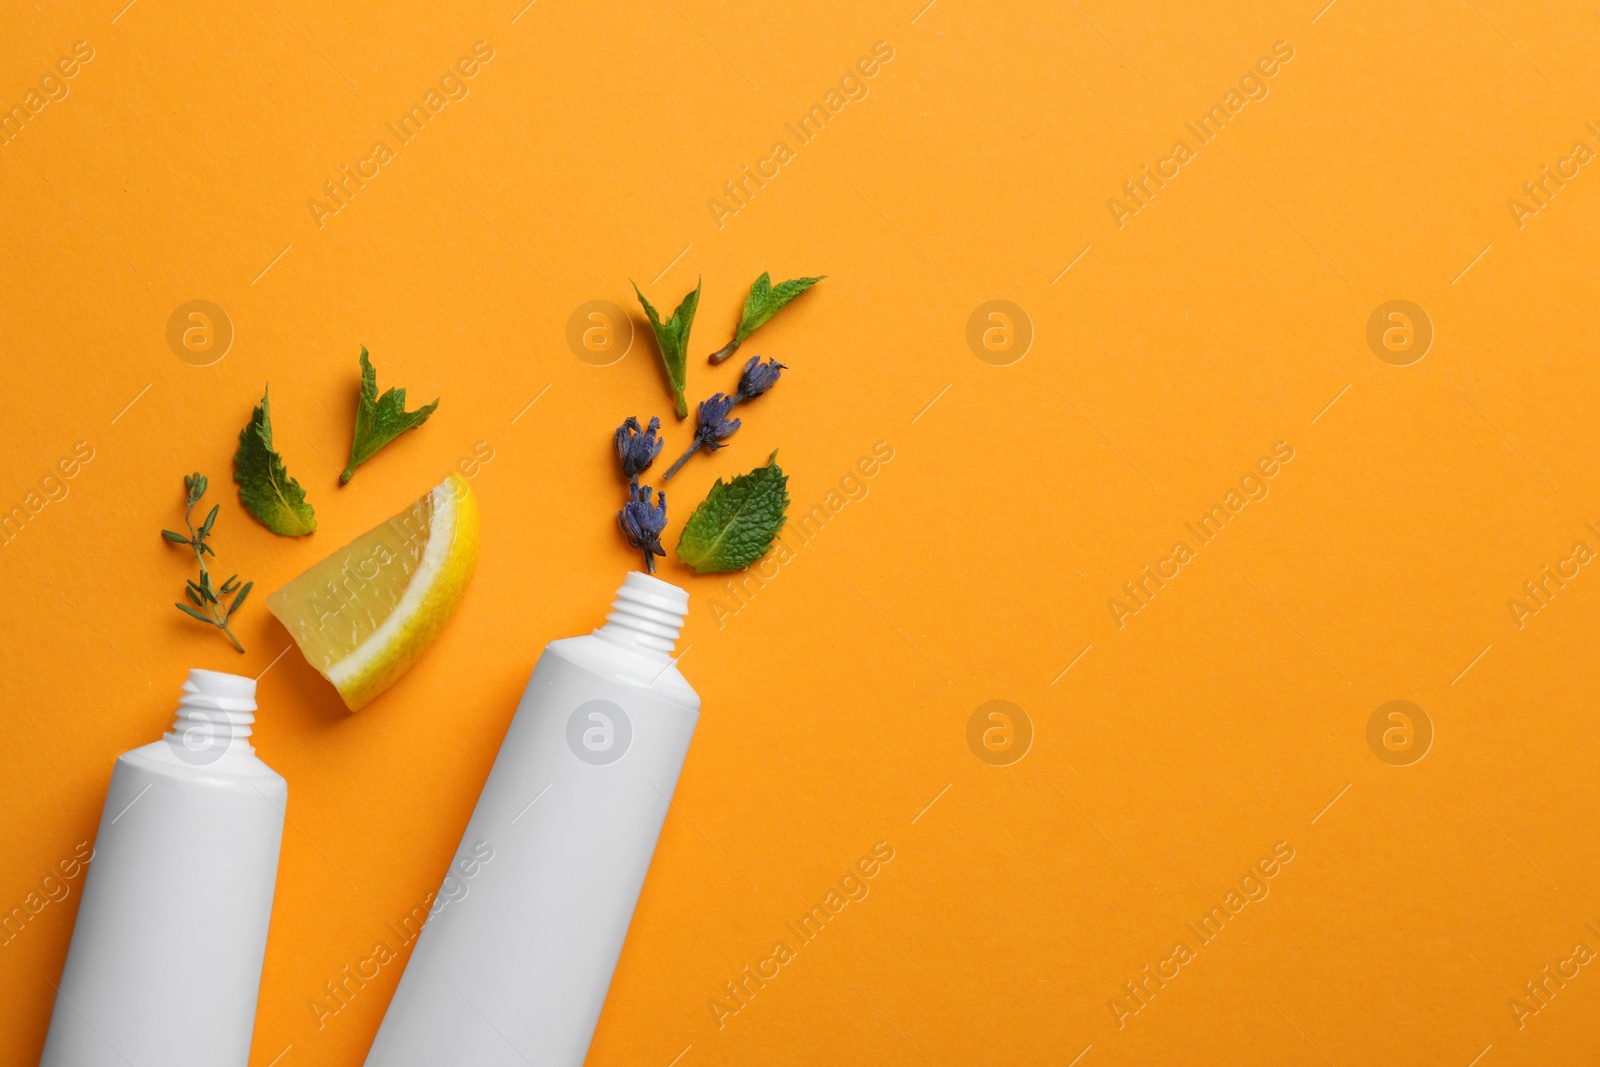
(379,419)
(736,523)
(672,338)
(265,488)
(766,300)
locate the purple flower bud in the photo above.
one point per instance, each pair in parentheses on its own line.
(636,448)
(712,425)
(643,524)
(757,378)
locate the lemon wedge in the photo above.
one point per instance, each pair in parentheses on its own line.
(367,612)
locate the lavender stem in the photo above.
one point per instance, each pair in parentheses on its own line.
(682,459)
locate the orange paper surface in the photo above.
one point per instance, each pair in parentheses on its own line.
(1286,412)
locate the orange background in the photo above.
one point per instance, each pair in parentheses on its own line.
(1225,316)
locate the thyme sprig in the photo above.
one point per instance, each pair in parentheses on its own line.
(206,599)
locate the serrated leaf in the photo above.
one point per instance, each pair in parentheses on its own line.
(672,338)
(379,419)
(766,300)
(265,488)
(736,523)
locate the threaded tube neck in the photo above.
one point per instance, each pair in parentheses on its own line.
(646,615)
(215,715)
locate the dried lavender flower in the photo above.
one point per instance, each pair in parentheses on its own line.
(712,427)
(636,448)
(757,378)
(643,524)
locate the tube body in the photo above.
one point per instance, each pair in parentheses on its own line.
(513,964)
(165,960)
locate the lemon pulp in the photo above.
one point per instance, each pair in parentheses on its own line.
(367,612)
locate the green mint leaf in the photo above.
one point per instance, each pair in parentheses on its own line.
(736,523)
(765,301)
(379,419)
(672,338)
(265,488)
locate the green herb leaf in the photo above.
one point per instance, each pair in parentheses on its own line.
(176,538)
(187,610)
(672,338)
(265,488)
(379,419)
(765,300)
(736,523)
